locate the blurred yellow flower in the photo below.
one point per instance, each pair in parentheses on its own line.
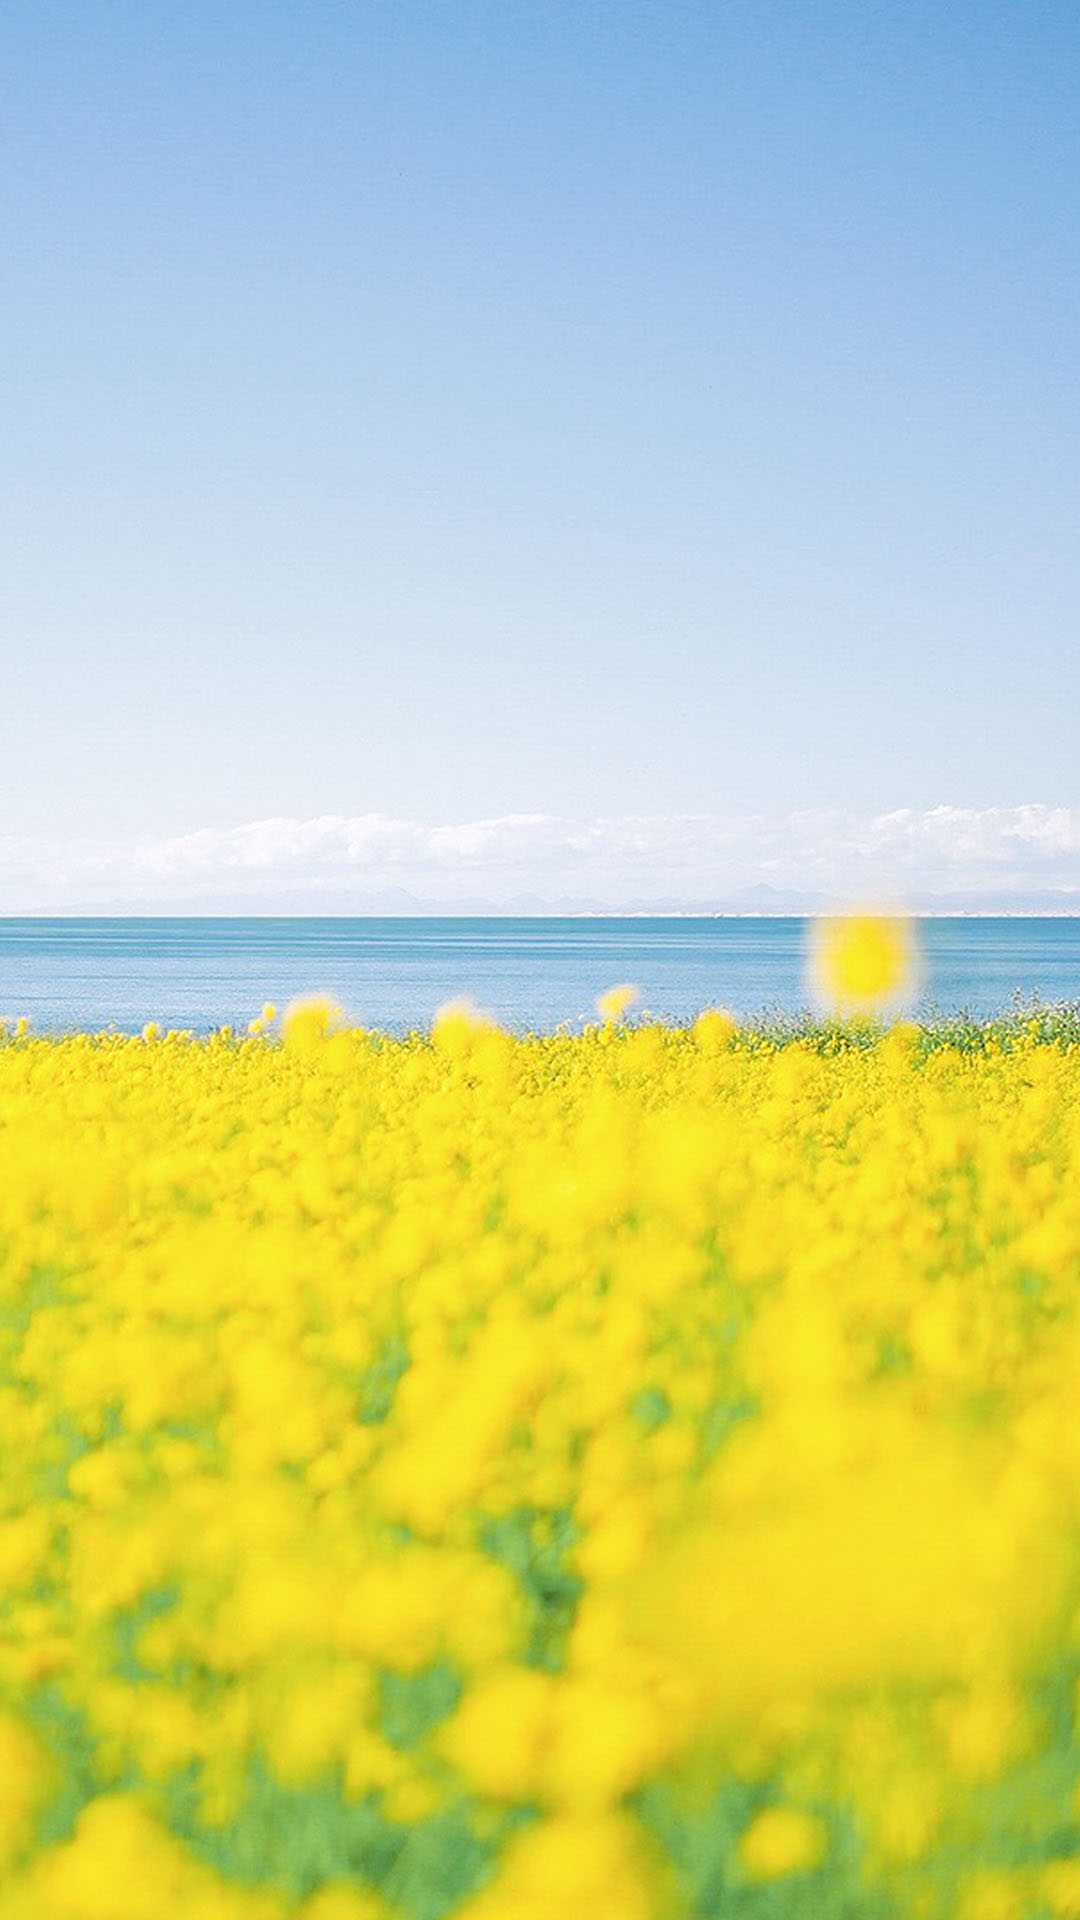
(457,1026)
(863,963)
(781,1840)
(306,1023)
(713,1030)
(613,1004)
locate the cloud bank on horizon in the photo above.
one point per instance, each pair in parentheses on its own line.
(1010,859)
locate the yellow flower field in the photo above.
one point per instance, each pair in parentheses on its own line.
(629,1475)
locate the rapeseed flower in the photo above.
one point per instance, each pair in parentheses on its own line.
(781,1840)
(614,1003)
(863,963)
(634,1475)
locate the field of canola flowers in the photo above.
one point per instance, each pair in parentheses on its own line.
(631,1476)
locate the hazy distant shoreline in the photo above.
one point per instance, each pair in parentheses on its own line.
(423,911)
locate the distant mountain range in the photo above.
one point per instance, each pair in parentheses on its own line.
(396,902)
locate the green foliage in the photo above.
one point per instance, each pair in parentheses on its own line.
(379,1382)
(532,1545)
(297,1839)
(411,1704)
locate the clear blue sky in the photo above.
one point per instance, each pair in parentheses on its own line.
(584,406)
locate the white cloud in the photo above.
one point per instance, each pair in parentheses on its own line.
(994,856)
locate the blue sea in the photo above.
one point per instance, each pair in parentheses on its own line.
(87,975)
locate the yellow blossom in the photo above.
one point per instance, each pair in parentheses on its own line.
(484,1473)
(306,1023)
(782,1840)
(863,962)
(613,1004)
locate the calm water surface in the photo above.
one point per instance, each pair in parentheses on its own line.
(90,974)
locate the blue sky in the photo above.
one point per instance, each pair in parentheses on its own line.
(457,411)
